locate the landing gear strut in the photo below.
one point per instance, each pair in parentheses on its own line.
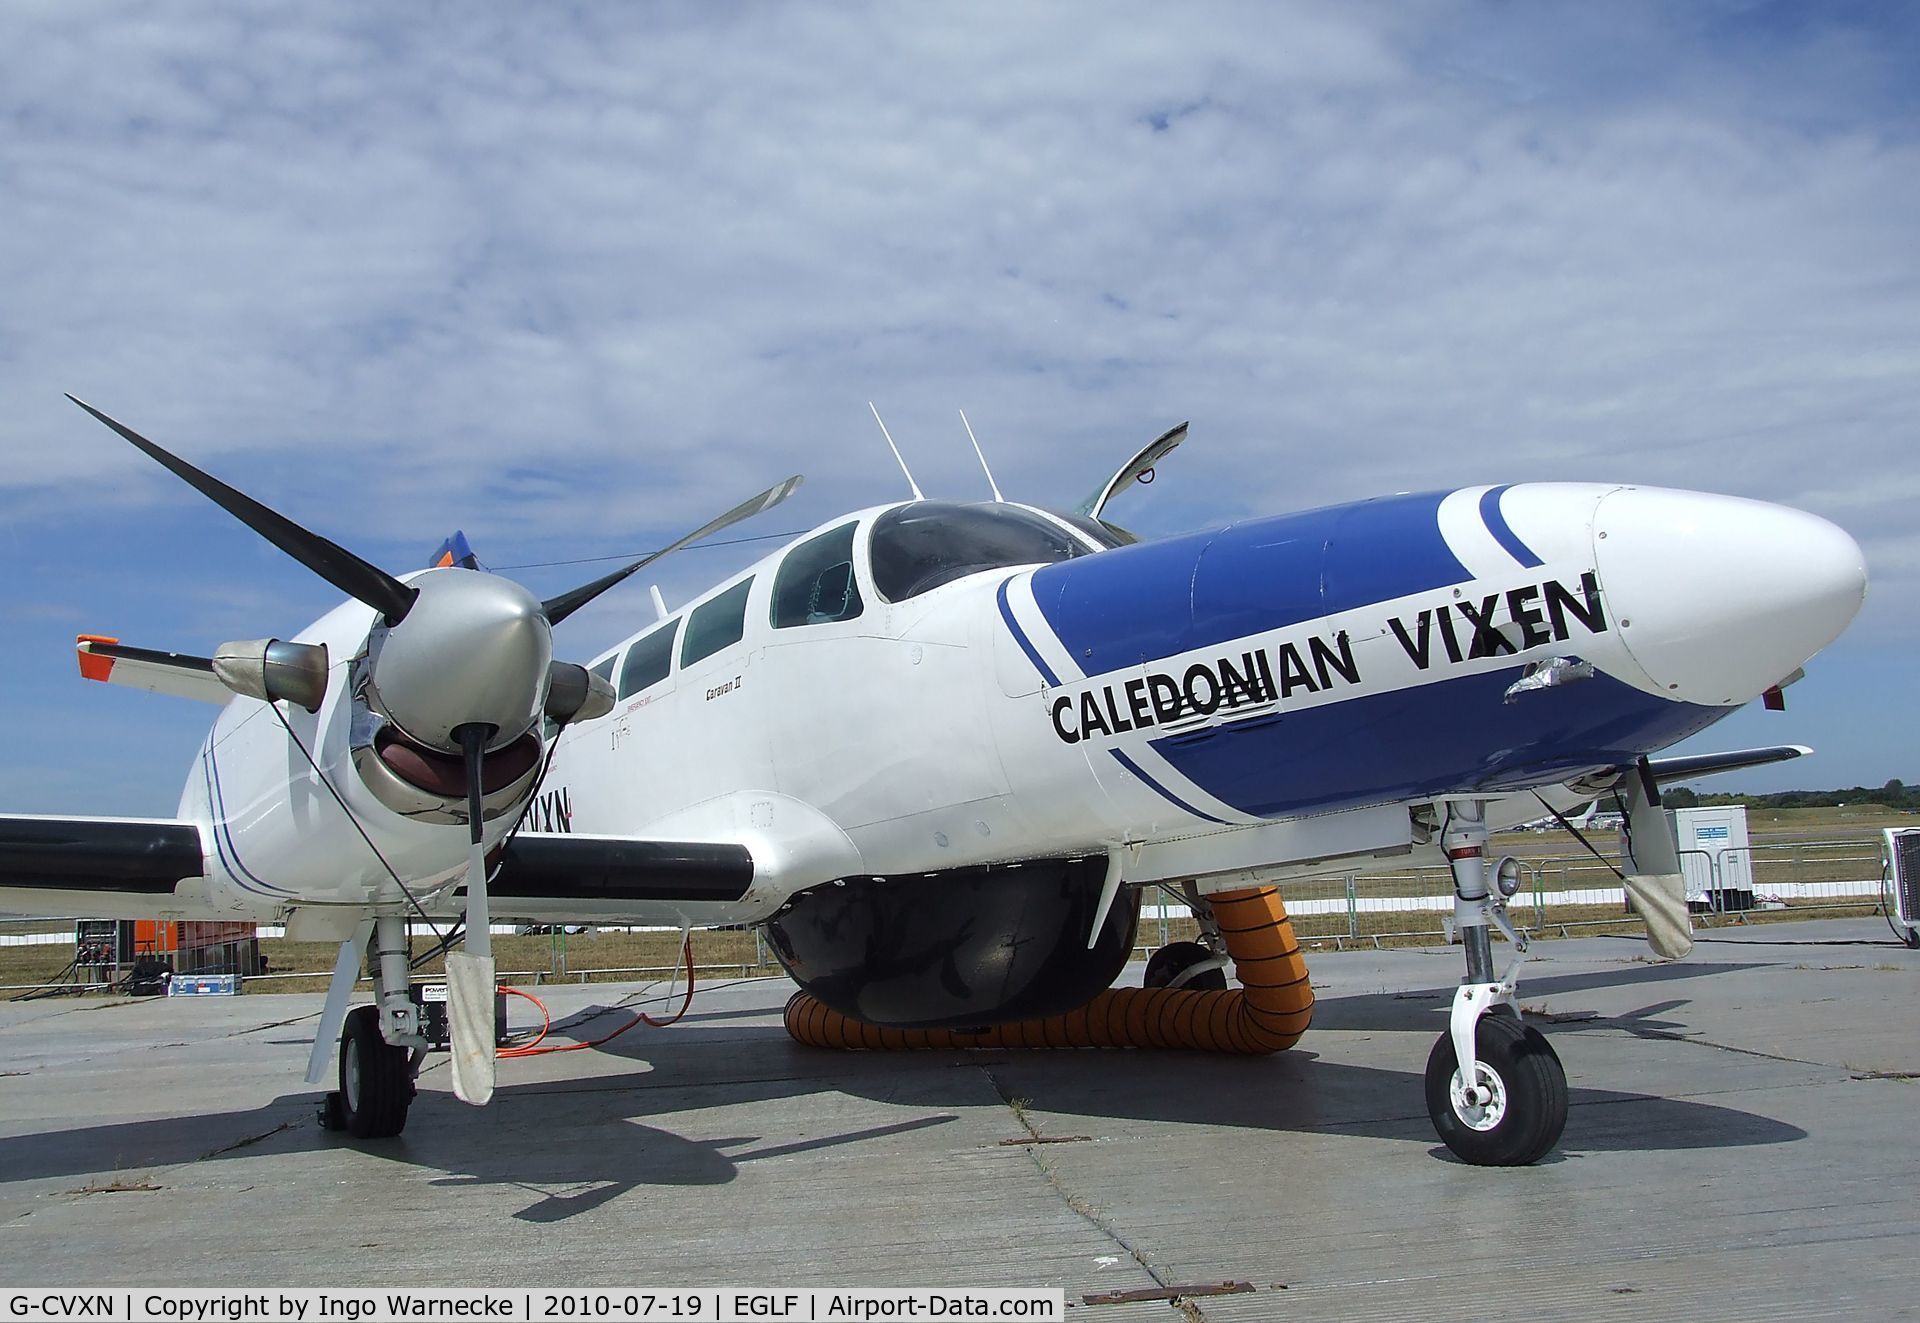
(380,1047)
(1495,1090)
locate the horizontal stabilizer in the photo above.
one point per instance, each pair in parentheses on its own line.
(559,868)
(113,662)
(1668,770)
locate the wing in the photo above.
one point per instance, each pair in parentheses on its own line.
(556,877)
(1666,770)
(125,868)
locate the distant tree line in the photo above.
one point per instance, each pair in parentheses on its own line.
(1895,794)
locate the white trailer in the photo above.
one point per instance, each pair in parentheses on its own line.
(1715,856)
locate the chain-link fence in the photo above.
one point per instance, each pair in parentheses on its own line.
(1563,893)
(1560,894)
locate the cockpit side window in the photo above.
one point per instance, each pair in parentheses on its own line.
(918,547)
(815,583)
(649,661)
(716,624)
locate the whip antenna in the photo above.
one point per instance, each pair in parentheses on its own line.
(983,459)
(917,495)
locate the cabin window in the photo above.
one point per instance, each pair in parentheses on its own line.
(648,661)
(604,667)
(815,584)
(918,547)
(716,624)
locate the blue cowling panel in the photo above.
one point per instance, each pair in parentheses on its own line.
(1447,738)
(1158,599)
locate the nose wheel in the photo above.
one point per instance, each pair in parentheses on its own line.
(1496,1092)
(1511,1111)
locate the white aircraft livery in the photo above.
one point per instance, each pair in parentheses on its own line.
(935,751)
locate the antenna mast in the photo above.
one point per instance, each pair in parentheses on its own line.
(917,495)
(983,459)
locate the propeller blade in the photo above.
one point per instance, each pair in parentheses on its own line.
(1155,451)
(470,973)
(338,566)
(559,608)
(1652,876)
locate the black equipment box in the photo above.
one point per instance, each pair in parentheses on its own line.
(431,998)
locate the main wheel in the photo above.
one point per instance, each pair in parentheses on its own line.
(1176,958)
(376,1079)
(1523,1088)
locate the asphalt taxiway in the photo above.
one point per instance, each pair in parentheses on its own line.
(1742,1144)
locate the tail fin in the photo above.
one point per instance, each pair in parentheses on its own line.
(455,551)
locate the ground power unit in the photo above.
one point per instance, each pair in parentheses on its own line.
(1900,875)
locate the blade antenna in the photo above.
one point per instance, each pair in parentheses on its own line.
(917,494)
(983,459)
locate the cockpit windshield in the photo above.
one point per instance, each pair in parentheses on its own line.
(916,548)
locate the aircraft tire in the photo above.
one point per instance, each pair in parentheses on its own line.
(376,1084)
(1529,1108)
(1171,960)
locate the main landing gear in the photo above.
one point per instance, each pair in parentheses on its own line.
(381,1047)
(1197,966)
(1495,1090)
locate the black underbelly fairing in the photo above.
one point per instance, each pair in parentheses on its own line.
(973,946)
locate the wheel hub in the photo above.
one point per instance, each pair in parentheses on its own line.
(1483,1105)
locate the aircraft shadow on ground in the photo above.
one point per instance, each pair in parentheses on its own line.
(580,1143)
(1426,1008)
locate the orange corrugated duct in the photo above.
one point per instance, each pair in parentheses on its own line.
(1268,1013)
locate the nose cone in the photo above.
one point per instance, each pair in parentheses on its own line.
(474,648)
(1718,599)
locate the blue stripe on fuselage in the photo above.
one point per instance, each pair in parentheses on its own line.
(1454,737)
(1158,599)
(1020,635)
(1502,531)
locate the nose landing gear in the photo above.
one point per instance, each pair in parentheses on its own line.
(1495,1091)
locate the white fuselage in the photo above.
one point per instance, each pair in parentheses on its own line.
(1251,700)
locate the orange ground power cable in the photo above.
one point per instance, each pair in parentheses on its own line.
(534,1048)
(1267,1013)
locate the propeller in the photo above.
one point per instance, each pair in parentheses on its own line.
(461,663)
(338,566)
(559,608)
(1652,876)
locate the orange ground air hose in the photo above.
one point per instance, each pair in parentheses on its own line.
(1268,1013)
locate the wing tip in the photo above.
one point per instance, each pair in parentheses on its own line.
(94,665)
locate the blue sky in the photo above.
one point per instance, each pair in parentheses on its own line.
(574,278)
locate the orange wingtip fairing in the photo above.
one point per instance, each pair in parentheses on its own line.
(94,666)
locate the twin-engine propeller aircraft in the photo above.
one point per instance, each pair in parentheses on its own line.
(937,750)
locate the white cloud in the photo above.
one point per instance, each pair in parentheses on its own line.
(567,278)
